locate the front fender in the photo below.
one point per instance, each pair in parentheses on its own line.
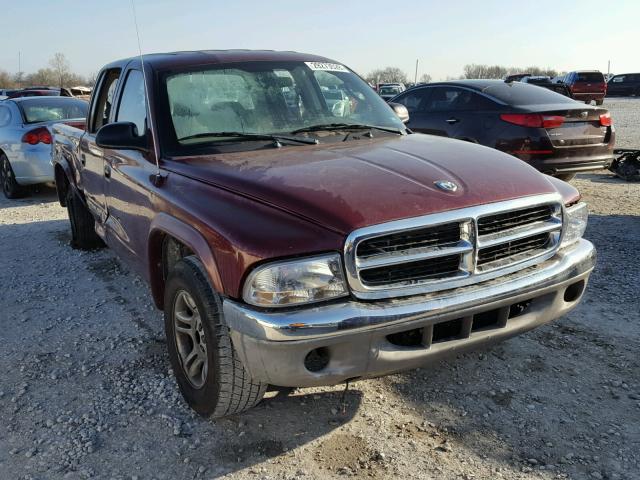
(164,224)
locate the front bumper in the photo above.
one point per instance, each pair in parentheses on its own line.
(355,336)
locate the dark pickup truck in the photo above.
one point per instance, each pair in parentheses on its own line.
(294,243)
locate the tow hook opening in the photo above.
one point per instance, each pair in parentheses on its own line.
(317,359)
(574,291)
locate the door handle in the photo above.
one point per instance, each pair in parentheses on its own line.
(107,171)
(451,121)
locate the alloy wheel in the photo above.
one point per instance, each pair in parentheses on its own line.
(190,339)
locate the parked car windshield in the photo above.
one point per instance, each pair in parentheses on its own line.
(47,109)
(390,90)
(523,94)
(269,98)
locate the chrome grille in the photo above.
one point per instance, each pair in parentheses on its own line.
(452,249)
(445,235)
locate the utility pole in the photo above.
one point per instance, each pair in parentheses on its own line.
(415,78)
(19,68)
(608,69)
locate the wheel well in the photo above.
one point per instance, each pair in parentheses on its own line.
(172,251)
(164,252)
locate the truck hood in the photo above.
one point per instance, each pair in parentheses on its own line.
(358,183)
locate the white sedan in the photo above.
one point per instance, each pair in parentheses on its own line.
(25,139)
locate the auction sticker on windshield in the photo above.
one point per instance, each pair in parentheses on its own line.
(327,67)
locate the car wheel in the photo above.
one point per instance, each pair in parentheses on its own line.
(211,377)
(599,102)
(10,186)
(83,233)
(565,176)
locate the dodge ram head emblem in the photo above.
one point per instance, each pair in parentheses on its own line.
(446,185)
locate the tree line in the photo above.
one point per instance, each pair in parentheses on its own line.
(58,73)
(472,70)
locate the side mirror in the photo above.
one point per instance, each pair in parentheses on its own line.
(401,111)
(121,136)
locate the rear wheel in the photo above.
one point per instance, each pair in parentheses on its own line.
(600,102)
(211,377)
(83,233)
(565,176)
(10,186)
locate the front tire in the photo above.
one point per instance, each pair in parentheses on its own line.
(10,186)
(83,233)
(211,377)
(600,102)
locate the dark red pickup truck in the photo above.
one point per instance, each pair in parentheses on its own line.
(295,233)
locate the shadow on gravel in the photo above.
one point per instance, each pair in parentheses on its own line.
(279,424)
(35,196)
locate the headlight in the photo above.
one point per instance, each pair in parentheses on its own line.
(575,223)
(294,282)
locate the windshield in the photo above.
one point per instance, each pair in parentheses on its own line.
(47,109)
(268,98)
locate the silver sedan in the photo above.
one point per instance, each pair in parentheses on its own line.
(25,138)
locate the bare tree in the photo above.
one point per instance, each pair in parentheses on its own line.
(425,78)
(387,75)
(498,71)
(43,77)
(5,80)
(61,67)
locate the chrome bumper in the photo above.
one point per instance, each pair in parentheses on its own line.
(273,344)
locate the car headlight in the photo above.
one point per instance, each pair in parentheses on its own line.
(575,223)
(293,282)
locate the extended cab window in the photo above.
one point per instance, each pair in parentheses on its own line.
(133,107)
(101,110)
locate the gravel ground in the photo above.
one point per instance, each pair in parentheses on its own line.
(85,390)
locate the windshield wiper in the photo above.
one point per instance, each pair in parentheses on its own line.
(345,126)
(253,136)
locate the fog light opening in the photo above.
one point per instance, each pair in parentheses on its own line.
(573,292)
(317,359)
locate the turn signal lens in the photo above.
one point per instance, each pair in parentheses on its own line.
(575,223)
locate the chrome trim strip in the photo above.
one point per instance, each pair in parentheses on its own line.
(524,231)
(420,254)
(466,216)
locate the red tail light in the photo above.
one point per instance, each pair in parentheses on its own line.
(606,120)
(533,120)
(36,136)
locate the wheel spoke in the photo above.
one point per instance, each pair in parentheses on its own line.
(184,317)
(196,368)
